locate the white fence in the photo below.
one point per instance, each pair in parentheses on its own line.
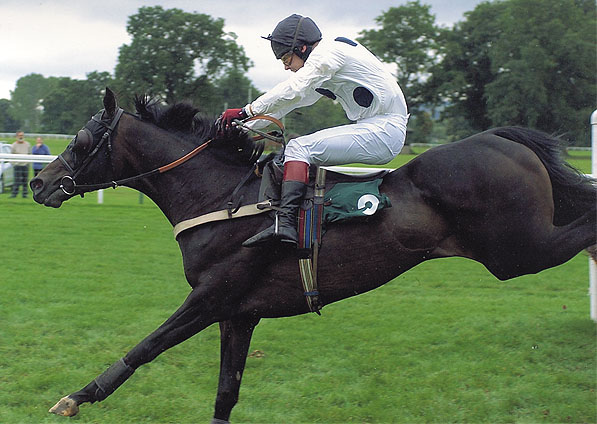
(10,157)
(29,135)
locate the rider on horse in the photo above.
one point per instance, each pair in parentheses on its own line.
(342,70)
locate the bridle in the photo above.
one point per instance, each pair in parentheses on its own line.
(68,184)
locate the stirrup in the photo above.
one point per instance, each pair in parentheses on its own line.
(272,233)
(261,238)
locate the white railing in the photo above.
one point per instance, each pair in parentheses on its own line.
(11,135)
(13,157)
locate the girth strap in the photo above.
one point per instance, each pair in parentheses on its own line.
(223,215)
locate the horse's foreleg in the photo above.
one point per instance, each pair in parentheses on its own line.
(99,389)
(195,314)
(235,340)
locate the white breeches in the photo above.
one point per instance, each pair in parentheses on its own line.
(373,141)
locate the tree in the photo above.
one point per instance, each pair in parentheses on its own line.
(545,67)
(408,39)
(520,62)
(233,89)
(60,107)
(71,103)
(420,128)
(26,101)
(459,80)
(7,122)
(176,55)
(97,82)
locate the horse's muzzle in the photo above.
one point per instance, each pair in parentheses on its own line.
(44,194)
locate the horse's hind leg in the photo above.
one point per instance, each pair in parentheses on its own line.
(578,235)
(235,340)
(545,246)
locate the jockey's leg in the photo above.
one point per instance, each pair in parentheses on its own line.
(294,187)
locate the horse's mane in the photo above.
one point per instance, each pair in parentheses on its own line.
(184,120)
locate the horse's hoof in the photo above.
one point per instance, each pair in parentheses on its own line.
(65,407)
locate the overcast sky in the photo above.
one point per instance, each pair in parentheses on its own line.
(71,38)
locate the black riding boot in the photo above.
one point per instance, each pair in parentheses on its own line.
(284,228)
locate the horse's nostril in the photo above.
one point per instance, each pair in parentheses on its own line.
(36,184)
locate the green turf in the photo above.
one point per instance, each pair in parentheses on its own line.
(445,342)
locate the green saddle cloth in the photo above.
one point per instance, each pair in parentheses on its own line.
(354,200)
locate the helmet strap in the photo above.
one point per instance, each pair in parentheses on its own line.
(296,33)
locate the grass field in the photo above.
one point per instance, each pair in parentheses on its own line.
(445,342)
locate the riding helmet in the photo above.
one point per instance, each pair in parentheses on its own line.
(292,33)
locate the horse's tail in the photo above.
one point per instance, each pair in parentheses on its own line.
(574,193)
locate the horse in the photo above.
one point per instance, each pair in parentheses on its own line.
(503,197)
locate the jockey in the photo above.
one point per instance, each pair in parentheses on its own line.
(346,72)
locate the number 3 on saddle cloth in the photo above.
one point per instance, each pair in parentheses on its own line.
(331,197)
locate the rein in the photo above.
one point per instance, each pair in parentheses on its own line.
(261,134)
(69,186)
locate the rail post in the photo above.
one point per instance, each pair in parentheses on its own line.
(592,263)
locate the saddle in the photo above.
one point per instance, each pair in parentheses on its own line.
(271,170)
(331,197)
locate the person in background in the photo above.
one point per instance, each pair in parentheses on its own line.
(39,149)
(345,71)
(21,169)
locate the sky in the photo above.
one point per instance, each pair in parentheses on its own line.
(66,38)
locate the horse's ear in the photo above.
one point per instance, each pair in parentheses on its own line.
(110,104)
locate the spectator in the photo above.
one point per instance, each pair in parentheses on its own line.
(39,149)
(22,147)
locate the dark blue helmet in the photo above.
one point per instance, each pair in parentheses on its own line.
(292,33)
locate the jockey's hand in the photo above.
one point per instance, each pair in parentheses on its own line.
(225,121)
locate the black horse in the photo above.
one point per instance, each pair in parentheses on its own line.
(503,198)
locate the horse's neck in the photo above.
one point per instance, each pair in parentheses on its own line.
(198,186)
